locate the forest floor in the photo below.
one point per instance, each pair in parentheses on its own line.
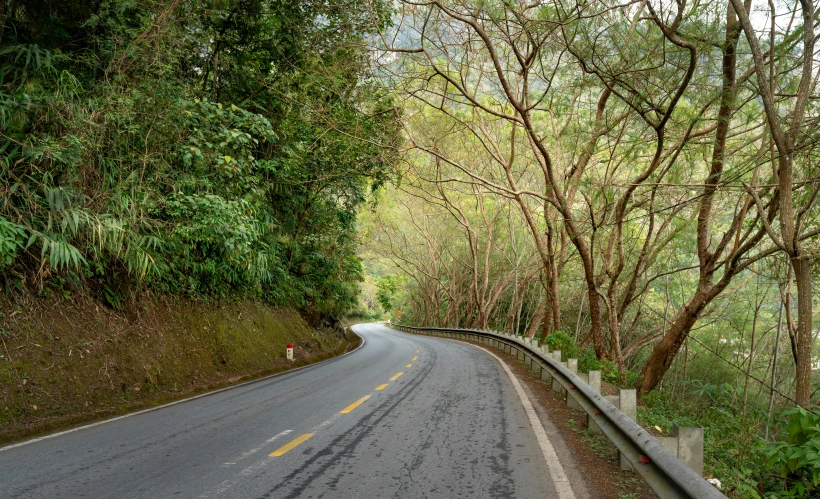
(66,361)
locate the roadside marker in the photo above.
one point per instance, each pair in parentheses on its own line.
(354,405)
(281,451)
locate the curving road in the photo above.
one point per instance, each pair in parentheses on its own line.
(451,425)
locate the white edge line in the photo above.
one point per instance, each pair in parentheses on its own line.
(559,478)
(206,394)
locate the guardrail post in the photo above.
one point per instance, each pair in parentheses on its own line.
(690,446)
(529,362)
(595,380)
(572,365)
(628,404)
(545,373)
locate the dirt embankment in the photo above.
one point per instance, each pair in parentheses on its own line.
(68,361)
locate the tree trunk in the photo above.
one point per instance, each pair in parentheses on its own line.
(802,276)
(664,352)
(537,318)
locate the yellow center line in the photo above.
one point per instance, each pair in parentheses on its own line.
(409,365)
(354,405)
(414,358)
(395,377)
(417,351)
(281,451)
(381,387)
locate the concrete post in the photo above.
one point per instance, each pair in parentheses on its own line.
(572,365)
(545,374)
(556,354)
(595,380)
(545,348)
(628,403)
(556,386)
(690,446)
(612,399)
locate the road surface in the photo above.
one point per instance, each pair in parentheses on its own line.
(404,416)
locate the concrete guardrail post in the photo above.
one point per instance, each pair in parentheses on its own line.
(628,404)
(545,373)
(687,445)
(572,365)
(595,380)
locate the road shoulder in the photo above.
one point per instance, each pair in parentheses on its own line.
(590,461)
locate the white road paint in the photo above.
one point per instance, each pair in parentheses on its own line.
(257,449)
(221,489)
(559,478)
(105,421)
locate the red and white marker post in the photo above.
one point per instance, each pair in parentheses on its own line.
(290,351)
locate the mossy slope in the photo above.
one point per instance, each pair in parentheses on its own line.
(68,361)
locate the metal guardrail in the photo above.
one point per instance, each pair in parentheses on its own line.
(663,472)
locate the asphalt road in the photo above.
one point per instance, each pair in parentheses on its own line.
(451,425)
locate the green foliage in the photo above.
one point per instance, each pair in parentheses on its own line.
(588,361)
(12,237)
(560,340)
(797,458)
(386,289)
(227,156)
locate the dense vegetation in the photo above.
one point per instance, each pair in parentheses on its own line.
(209,148)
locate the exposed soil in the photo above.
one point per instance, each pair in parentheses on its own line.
(65,362)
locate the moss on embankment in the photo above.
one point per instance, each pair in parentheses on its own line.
(66,362)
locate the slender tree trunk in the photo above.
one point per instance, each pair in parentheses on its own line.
(537,318)
(751,355)
(802,277)
(578,323)
(774,370)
